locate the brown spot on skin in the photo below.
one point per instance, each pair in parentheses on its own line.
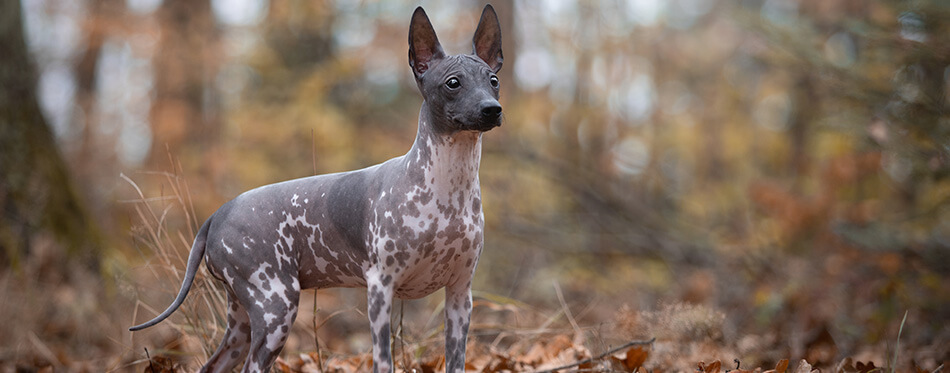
(390,260)
(425,197)
(466,245)
(413,210)
(392,229)
(427,249)
(376,302)
(401,257)
(448,256)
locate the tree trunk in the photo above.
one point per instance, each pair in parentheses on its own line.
(36,194)
(184,113)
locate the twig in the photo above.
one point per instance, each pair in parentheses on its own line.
(398,336)
(897,349)
(598,357)
(150,367)
(567,311)
(44,350)
(316,339)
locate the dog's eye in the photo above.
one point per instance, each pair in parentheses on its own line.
(453,83)
(493,81)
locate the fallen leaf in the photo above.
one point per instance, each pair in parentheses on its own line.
(781,366)
(161,364)
(865,368)
(845,366)
(635,358)
(534,356)
(436,364)
(281,366)
(804,367)
(559,344)
(713,367)
(571,354)
(500,363)
(918,369)
(586,366)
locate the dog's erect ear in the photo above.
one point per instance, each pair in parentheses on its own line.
(424,47)
(486,44)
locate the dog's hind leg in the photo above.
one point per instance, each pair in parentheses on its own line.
(237,339)
(271,321)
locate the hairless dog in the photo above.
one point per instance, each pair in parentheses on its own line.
(403,228)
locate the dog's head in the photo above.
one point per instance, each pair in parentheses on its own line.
(460,90)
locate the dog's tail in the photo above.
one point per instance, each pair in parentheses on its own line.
(194,260)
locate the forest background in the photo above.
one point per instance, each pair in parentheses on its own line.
(753,180)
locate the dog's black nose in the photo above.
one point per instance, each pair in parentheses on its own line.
(491,110)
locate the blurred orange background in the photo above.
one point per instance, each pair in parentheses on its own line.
(770,176)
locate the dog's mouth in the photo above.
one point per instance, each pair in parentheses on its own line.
(488,126)
(480,124)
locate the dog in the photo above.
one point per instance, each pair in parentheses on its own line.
(404,228)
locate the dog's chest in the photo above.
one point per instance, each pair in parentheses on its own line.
(428,234)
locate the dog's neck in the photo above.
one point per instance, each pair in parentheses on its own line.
(449,159)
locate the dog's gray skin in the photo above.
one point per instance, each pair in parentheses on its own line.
(404,228)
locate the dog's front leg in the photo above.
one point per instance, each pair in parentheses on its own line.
(458,312)
(380,307)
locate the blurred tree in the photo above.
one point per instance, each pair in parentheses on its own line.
(92,157)
(36,194)
(185,118)
(86,78)
(301,35)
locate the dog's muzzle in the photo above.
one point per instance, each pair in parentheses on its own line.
(490,115)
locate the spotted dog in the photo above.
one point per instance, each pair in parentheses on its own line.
(402,229)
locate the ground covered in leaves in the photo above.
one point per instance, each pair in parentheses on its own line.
(510,337)
(558,354)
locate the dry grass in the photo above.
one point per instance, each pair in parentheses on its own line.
(165,242)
